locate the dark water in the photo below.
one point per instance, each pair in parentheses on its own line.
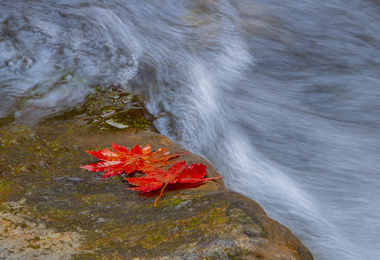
(283,97)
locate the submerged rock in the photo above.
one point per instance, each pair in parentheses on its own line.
(52,209)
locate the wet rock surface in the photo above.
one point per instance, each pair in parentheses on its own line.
(52,209)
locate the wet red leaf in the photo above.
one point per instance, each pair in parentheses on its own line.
(178,173)
(123,160)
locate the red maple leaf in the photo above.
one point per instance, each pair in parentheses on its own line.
(178,173)
(123,160)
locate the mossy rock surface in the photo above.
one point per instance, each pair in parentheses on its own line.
(52,209)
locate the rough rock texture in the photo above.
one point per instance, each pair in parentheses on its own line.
(52,209)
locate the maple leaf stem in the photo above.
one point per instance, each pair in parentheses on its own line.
(155,202)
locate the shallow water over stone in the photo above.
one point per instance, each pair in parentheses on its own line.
(281,96)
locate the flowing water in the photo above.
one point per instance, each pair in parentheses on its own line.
(283,97)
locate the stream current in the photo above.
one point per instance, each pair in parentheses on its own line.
(282,97)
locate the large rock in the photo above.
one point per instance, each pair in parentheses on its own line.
(52,209)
